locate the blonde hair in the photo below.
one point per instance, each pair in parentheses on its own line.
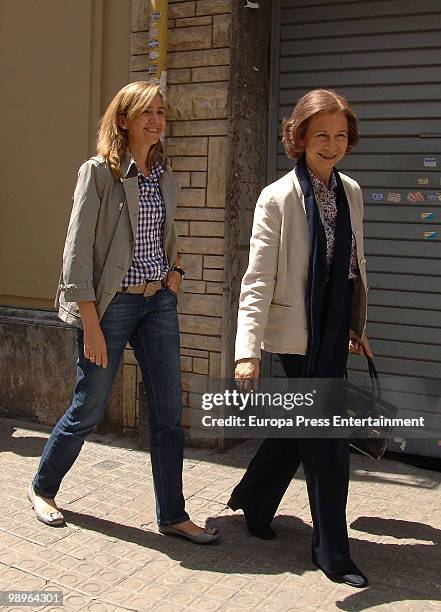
(112,142)
(316,102)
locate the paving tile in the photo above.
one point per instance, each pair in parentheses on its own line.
(207,604)
(32,565)
(246,599)
(156,591)
(153,570)
(212,577)
(220,591)
(12,557)
(182,597)
(196,586)
(104,558)
(101,606)
(25,581)
(170,579)
(141,603)
(234,581)
(70,579)
(132,584)
(117,596)
(94,587)
(270,605)
(166,607)
(259,587)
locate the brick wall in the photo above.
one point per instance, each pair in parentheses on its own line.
(197,74)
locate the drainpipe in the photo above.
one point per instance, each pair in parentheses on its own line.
(157,42)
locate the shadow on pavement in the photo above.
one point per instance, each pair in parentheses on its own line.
(412,571)
(25,446)
(397,572)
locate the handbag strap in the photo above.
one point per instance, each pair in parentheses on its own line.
(373,374)
(371,366)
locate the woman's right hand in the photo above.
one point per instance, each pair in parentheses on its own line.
(247,368)
(95,349)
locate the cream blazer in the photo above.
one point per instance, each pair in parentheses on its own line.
(272,306)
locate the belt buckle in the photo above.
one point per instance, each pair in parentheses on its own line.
(151,288)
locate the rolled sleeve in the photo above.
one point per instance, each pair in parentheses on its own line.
(82,292)
(258,283)
(77,275)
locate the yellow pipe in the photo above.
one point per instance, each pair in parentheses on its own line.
(157,70)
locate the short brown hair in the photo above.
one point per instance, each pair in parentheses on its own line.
(316,102)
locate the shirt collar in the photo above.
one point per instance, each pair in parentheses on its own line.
(332,181)
(155,173)
(130,169)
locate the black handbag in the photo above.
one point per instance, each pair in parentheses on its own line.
(361,403)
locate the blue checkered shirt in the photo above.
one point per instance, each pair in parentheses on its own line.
(149,261)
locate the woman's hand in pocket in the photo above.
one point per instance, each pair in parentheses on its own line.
(173,281)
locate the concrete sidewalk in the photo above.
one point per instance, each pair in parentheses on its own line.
(110,555)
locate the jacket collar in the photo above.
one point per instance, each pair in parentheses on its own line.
(129,169)
(128,166)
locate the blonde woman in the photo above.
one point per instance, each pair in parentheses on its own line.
(118,285)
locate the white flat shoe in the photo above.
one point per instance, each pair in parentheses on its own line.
(51,518)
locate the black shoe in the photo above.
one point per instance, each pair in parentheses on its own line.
(353,577)
(264,533)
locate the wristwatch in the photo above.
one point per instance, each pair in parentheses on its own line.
(180,270)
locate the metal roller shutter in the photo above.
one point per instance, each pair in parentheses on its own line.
(385,57)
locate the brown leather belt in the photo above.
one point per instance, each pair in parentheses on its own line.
(146,289)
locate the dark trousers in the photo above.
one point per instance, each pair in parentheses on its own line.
(326,466)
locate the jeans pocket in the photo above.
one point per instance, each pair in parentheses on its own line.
(115,298)
(167,288)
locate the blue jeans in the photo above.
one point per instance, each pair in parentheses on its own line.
(150,326)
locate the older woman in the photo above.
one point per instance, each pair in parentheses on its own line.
(304,296)
(118,285)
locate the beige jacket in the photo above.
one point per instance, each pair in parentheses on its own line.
(101,236)
(272,309)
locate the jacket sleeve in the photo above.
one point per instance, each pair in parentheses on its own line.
(258,283)
(77,274)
